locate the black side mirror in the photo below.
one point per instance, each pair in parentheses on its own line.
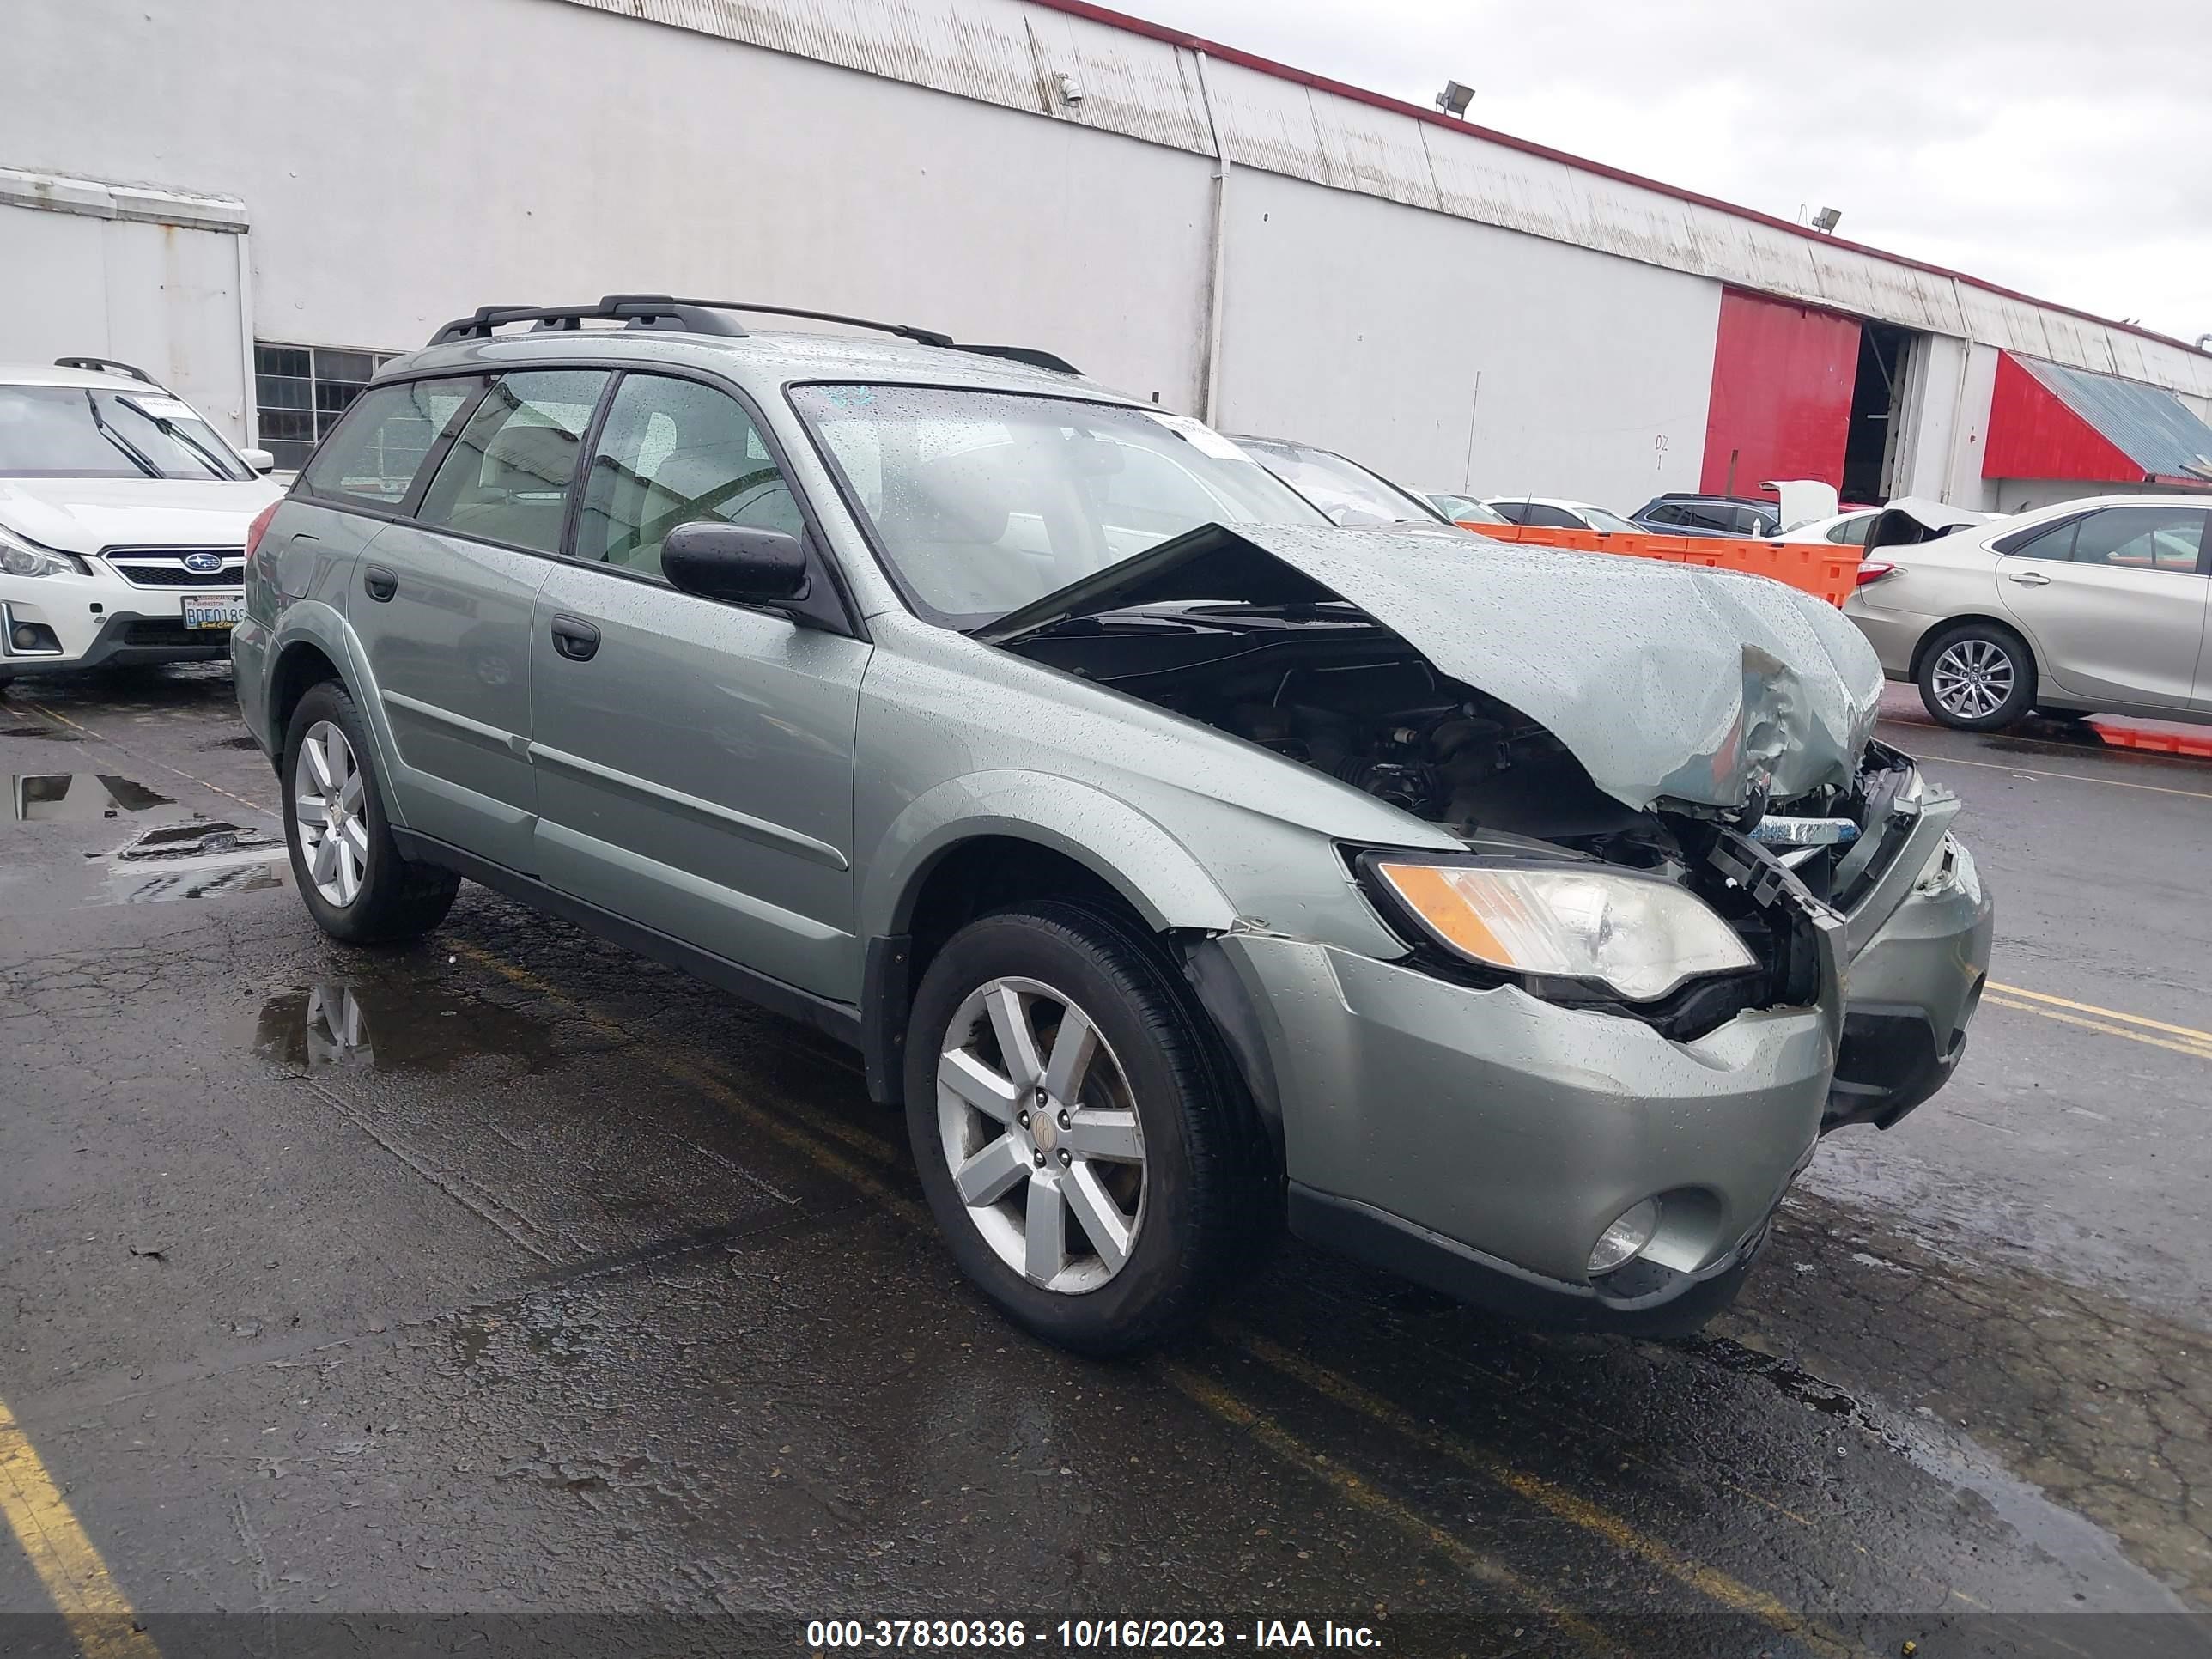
(735,561)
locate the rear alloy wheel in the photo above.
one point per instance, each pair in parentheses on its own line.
(1977,678)
(347,866)
(1083,1139)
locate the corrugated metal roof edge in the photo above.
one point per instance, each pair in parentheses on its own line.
(1269,66)
(2145,446)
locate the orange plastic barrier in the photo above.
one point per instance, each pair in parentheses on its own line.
(1820,569)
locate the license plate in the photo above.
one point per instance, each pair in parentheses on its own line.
(222,611)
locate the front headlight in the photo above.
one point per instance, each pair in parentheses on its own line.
(19,557)
(1639,935)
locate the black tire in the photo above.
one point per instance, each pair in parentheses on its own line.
(1212,1198)
(1987,648)
(397,900)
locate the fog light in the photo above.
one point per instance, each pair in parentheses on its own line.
(26,637)
(1631,1231)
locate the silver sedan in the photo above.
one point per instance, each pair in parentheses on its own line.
(2090,606)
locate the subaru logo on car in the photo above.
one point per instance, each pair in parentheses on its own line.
(203,564)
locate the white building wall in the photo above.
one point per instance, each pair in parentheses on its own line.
(1457,355)
(920,160)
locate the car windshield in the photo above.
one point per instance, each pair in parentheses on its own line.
(92,431)
(985,501)
(1465,509)
(1347,492)
(1598,518)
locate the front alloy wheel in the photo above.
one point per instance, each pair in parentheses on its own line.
(1041,1136)
(326,810)
(1080,1132)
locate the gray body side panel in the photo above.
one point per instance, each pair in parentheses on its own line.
(448,662)
(695,774)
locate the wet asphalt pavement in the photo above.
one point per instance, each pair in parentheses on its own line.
(509,1273)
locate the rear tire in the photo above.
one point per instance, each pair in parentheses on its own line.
(1977,677)
(345,862)
(1153,1119)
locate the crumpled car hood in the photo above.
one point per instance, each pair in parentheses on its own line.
(1669,683)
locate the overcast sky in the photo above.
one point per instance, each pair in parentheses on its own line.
(2062,148)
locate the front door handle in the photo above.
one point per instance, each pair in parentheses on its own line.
(575,638)
(379,583)
(2028,578)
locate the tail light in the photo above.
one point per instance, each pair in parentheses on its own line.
(1872,570)
(259,527)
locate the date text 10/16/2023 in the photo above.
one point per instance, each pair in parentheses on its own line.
(1082,1635)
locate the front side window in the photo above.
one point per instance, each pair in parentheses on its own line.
(94,432)
(1668,513)
(982,502)
(2142,538)
(506,478)
(672,452)
(375,453)
(1551,518)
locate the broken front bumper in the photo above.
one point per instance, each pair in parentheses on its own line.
(1917,946)
(1480,1140)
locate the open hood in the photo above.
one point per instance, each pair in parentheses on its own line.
(1667,682)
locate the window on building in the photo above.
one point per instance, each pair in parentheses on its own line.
(300,392)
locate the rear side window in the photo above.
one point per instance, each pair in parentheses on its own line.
(506,478)
(379,445)
(2040,541)
(1852,532)
(1551,518)
(2142,538)
(672,452)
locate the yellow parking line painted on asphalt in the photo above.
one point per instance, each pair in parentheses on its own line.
(2069,777)
(2194,1050)
(2189,1031)
(83,1591)
(1218,1402)
(1709,1582)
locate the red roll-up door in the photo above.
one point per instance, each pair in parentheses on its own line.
(1782,394)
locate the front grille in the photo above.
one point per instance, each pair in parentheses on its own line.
(165,567)
(172,634)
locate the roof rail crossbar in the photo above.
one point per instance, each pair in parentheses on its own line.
(698,317)
(106,366)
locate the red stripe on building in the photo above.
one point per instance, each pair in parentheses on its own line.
(2033,434)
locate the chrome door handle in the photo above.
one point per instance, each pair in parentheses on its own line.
(2028,578)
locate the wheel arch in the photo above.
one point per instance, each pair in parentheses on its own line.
(1987,619)
(976,844)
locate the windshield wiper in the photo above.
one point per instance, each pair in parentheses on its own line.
(174,434)
(117,440)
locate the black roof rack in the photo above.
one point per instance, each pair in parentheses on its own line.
(106,366)
(702,317)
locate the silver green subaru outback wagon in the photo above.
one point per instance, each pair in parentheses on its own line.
(1181,862)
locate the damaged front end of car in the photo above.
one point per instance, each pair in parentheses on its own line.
(1672,821)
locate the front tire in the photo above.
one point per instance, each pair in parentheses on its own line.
(1978,676)
(345,862)
(1083,1141)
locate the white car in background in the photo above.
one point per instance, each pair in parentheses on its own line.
(1844,529)
(123,520)
(1552,513)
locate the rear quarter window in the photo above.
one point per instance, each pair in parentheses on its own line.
(377,448)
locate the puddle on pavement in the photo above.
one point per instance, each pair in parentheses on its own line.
(383,1027)
(45,733)
(198,859)
(77,797)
